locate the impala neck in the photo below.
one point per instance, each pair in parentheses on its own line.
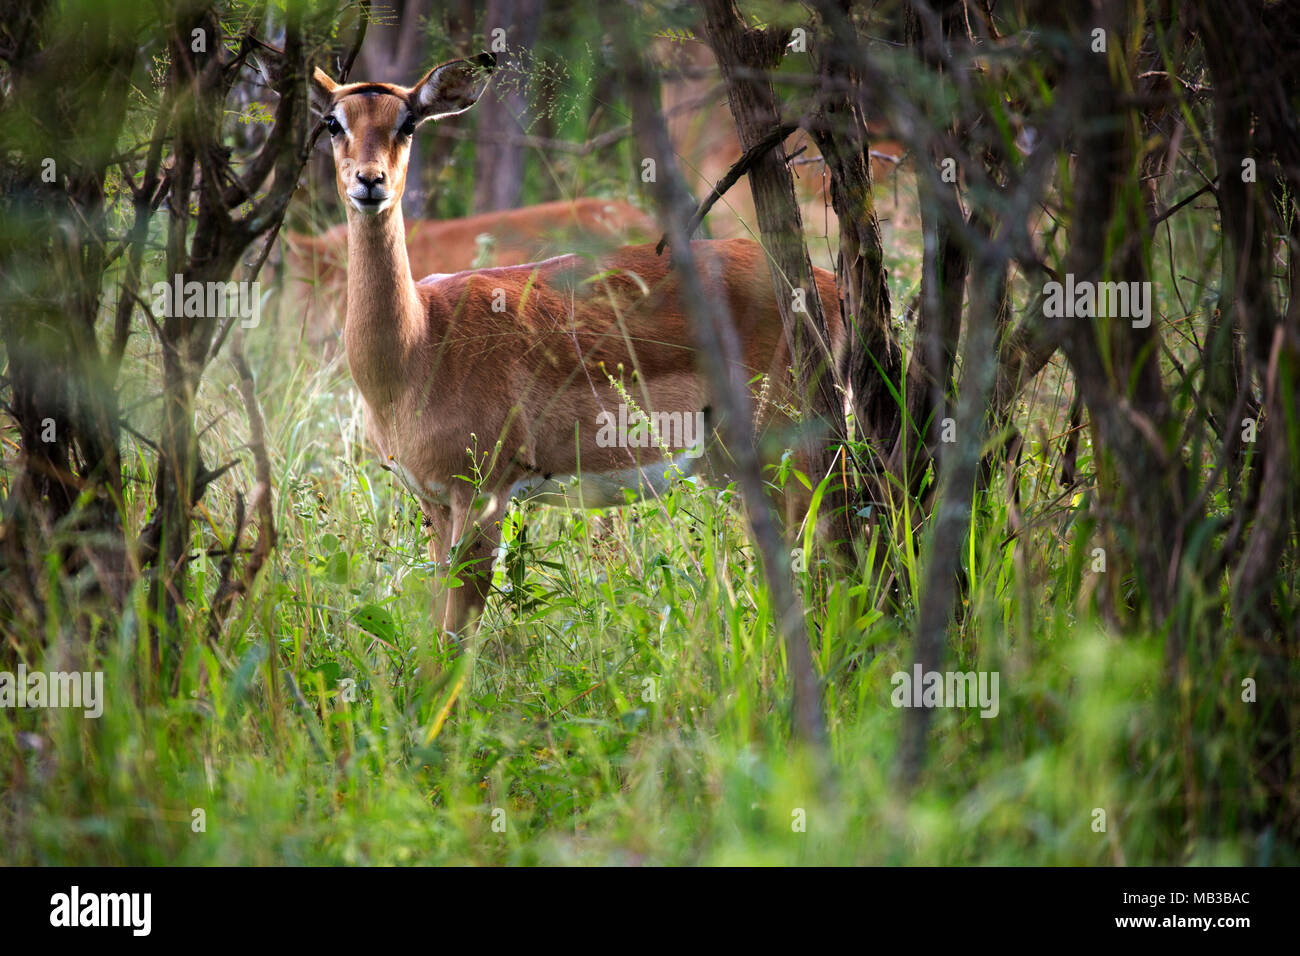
(384,312)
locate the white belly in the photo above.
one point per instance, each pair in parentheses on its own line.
(594,490)
(603,489)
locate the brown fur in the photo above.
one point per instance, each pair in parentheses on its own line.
(442,371)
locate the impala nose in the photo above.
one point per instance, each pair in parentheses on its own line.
(370,193)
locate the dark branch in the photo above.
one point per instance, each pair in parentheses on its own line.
(741,166)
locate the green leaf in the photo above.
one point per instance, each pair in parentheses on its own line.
(330,671)
(375,620)
(336,568)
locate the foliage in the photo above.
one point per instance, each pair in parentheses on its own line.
(626,699)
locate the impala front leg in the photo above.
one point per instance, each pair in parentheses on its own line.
(438,519)
(474,534)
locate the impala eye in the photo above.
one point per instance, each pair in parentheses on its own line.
(408,127)
(333,125)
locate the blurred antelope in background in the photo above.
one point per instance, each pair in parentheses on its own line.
(316,265)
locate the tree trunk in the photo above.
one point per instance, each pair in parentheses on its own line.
(875,358)
(716,350)
(745,57)
(1142,479)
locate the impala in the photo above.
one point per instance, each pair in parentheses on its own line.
(316,266)
(494,384)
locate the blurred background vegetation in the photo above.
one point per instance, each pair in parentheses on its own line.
(189,505)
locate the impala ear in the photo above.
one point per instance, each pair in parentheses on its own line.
(451,88)
(322,90)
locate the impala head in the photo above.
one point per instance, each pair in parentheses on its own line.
(371,125)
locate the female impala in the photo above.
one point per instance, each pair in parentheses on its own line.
(504,374)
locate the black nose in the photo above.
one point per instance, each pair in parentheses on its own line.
(370,182)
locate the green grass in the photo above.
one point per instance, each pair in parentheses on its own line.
(626,698)
(624,702)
